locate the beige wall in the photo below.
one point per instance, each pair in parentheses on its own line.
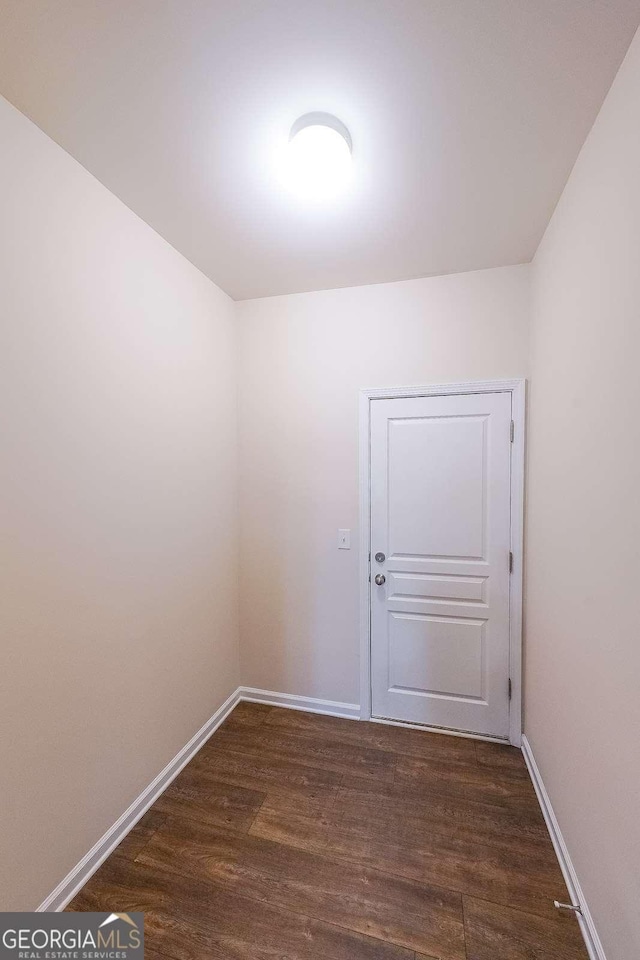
(303,359)
(583,557)
(118,532)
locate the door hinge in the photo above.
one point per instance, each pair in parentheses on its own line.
(509,688)
(512,430)
(510,561)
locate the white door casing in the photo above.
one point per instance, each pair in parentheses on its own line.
(445,626)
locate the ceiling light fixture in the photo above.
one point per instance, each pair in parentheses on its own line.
(317,162)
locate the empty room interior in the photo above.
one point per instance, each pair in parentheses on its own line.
(319,336)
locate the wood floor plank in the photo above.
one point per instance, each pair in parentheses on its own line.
(387,807)
(292,829)
(260,772)
(386,737)
(210,800)
(471,781)
(332,755)
(188,920)
(500,757)
(300,818)
(135,840)
(479,859)
(403,912)
(496,932)
(247,715)
(524,873)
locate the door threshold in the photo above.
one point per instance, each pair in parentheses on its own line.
(447,731)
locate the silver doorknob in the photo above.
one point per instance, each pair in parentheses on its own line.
(380,579)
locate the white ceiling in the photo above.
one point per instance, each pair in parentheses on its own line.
(466,117)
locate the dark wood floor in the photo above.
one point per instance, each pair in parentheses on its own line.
(294,836)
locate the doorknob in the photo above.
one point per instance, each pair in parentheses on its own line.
(380,579)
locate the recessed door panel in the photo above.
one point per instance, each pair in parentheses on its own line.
(437,509)
(424,586)
(436,656)
(440,513)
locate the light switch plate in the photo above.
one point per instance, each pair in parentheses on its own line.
(344,539)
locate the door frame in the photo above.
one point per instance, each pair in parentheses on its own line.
(517,389)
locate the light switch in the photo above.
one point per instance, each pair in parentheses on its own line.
(344,539)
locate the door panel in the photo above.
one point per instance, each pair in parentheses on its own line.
(435,655)
(447,467)
(404,586)
(440,512)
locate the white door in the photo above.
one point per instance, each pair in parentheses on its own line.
(440,541)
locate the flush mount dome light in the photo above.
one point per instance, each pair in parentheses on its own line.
(317,160)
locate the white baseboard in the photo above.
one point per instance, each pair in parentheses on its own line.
(350,711)
(78,876)
(587,926)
